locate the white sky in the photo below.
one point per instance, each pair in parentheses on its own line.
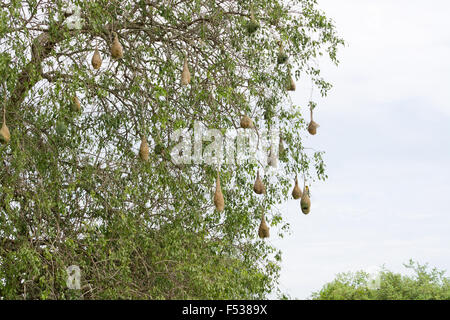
(385,128)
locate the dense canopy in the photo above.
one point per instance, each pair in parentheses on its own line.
(75,187)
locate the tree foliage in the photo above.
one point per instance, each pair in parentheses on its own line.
(74,192)
(424,284)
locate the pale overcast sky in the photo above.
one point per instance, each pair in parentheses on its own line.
(385,128)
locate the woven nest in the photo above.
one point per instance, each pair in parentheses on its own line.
(219,202)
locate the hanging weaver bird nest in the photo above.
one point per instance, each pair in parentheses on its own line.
(282,57)
(305,202)
(5,136)
(116,48)
(296,192)
(263,231)
(259,187)
(253,24)
(219,202)
(246,122)
(75,105)
(272,159)
(290,84)
(96,60)
(312,127)
(185,75)
(143,149)
(159,148)
(61,128)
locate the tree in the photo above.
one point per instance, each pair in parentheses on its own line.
(74,191)
(424,284)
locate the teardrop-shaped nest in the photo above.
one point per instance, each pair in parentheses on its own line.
(75,105)
(259,187)
(185,75)
(296,192)
(282,56)
(312,127)
(263,231)
(219,202)
(96,60)
(61,128)
(291,84)
(246,122)
(5,135)
(305,202)
(159,149)
(144,151)
(252,24)
(116,48)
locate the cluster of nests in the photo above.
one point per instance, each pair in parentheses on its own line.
(245,122)
(260,189)
(116,53)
